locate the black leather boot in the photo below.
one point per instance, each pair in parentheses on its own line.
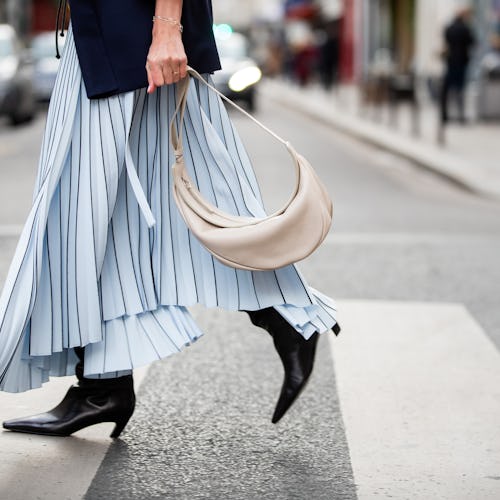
(296,353)
(89,402)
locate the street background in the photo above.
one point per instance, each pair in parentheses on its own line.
(405,403)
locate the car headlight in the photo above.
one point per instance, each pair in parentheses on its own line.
(245,77)
(8,67)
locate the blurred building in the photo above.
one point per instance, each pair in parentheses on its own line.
(29,16)
(404,36)
(43,15)
(388,28)
(242,14)
(17,13)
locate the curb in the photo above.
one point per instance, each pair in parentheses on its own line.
(426,155)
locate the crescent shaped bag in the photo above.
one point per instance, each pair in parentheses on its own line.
(288,235)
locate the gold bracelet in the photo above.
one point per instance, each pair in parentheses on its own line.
(170,20)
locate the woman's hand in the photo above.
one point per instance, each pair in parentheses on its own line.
(166,61)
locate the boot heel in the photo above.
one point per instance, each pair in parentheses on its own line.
(120,425)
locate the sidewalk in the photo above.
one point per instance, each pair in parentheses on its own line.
(470,157)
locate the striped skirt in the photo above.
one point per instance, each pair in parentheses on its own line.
(89,271)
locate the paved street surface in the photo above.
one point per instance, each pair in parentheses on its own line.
(403,404)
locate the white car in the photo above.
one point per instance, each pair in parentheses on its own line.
(239,73)
(16,87)
(43,53)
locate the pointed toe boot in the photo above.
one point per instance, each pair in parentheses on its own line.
(82,406)
(297,356)
(296,353)
(89,402)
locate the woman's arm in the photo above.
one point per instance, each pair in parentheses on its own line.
(166,62)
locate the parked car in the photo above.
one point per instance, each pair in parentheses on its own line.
(17,99)
(239,73)
(46,64)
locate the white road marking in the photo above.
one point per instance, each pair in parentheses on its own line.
(343,238)
(49,468)
(419,387)
(10,230)
(7,149)
(339,238)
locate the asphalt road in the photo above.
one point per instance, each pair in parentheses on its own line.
(406,245)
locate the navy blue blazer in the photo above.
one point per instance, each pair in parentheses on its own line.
(112,39)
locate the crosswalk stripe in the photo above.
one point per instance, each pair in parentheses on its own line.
(340,238)
(419,388)
(10,230)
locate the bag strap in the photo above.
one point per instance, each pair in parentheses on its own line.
(179,167)
(182,89)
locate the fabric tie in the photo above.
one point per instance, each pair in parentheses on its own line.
(62,8)
(135,183)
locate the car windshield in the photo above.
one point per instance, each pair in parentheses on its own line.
(232,47)
(6,47)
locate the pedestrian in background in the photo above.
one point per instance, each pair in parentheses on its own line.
(328,65)
(459,41)
(105,267)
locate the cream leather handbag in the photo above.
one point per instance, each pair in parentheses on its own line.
(286,236)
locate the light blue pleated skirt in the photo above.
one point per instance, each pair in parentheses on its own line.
(88,271)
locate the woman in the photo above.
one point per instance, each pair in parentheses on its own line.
(105,267)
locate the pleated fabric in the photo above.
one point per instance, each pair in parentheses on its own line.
(88,271)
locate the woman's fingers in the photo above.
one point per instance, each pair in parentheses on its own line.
(165,74)
(155,74)
(166,62)
(151,85)
(168,75)
(183,69)
(174,69)
(173,74)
